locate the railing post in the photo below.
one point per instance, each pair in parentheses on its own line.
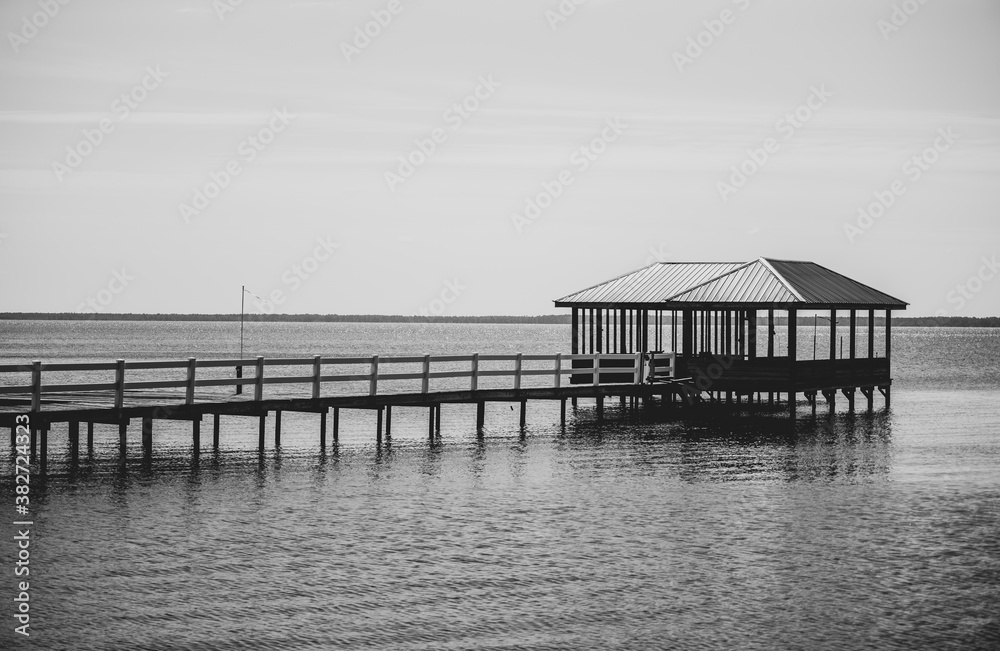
(559,374)
(425,385)
(673,364)
(36,385)
(317,367)
(597,369)
(638,368)
(258,387)
(189,398)
(475,371)
(517,371)
(373,383)
(119,383)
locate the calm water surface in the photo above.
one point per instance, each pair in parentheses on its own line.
(853,531)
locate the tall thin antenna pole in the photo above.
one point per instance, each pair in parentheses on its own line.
(239,368)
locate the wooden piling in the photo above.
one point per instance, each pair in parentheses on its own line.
(122,439)
(437,418)
(524,413)
(277,429)
(562,412)
(260,432)
(74,439)
(336,425)
(388,421)
(430,423)
(90,439)
(322,430)
(34,442)
(196,434)
(849,394)
(43,433)
(480,416)
(147,437)
(215,432)
(600,408)
(869,394)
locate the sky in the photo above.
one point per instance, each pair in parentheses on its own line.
(482,157)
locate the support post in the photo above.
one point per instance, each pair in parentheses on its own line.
(388,421)
(119,383)
(853,333)
(437,418)
(36,385)
(43,432)
(430,423)
(770,334)
(277,429)
(849,394)
(517,370)
(475,365)
(215,432)
(558,370)
(378,427)
(833,334)
(524,413)
(373,381)
(336,425)
(74,440)
(425,375)
(189,393)
(575,345)
(322,430)
(480,416)
(317,374)
(687,334)
(90,439)
(258,385)
(600,408)
(147,437)
(888,335)
(196,434)
(260,433)
(871,334)
(122,443)
(751,333)
(600,331)
(562,412)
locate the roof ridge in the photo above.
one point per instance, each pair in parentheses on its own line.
(784,281)
(743,265)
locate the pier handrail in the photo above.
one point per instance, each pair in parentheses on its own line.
(376,374)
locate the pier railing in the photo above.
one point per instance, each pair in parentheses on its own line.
(377,374)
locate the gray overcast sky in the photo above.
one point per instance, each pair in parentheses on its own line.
(823,104)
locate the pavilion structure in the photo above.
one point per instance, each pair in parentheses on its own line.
(735,328)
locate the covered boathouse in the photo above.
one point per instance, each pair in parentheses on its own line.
(728,329)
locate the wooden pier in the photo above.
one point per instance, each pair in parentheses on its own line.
(205,391)
(707,314)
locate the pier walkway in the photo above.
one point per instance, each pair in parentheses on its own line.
(120,391)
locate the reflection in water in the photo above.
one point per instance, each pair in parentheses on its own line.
(704,532)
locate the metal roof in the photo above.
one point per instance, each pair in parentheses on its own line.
(758,282)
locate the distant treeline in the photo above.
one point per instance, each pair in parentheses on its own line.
(925,321)
(283,318)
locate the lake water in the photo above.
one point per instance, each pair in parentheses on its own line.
(847,532)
